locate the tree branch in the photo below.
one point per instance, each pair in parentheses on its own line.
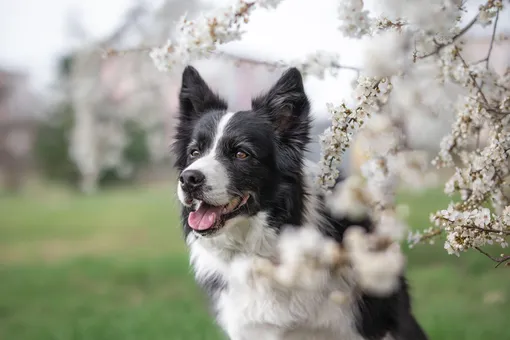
(457,36)
(473,80)
(488,230)
(499,260)
(278,64)
(492,40)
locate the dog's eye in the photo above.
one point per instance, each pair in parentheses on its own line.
(241,155)
(194,153)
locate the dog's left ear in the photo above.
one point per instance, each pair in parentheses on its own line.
(196,96)
(287,106)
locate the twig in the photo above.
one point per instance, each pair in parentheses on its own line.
(473,79)
(458,35)
(497,111)
(478,135)
(431,235)
(344,67)
(487,230)
(499,260)
(492,40)
(279,64)
(110,52)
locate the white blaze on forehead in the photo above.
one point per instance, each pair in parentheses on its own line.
(216,176)
(220,130)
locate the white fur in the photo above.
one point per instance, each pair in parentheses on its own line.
(257,305)
(216,175)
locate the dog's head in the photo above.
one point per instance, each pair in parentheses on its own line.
(231,163)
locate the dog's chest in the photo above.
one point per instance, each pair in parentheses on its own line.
(249,310)
(250,313)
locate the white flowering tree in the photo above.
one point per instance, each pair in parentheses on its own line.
(415,49)
(99,135)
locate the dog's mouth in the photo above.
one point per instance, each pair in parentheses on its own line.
(207,217)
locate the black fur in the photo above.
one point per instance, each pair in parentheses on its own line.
(275,134)
(195,99)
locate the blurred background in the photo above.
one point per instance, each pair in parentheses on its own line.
(90,244)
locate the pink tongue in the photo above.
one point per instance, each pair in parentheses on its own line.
(204,218)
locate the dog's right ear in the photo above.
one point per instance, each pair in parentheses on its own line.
(196,96)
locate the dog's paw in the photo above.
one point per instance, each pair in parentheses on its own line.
(307,260)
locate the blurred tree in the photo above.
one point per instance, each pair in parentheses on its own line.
(52,150)
(52,145)
(107,95)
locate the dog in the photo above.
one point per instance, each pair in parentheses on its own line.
(243,186)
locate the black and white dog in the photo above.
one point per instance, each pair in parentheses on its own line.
(241,181)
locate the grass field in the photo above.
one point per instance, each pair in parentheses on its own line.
(113,266)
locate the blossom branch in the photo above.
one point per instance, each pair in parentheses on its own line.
(499,260)
(485,229)
(455,37)
(337,138)
(198,37)
(474,82)
(493,37)
(488,230)
(482,172)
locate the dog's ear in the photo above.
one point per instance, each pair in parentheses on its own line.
(286,106)
(196,96)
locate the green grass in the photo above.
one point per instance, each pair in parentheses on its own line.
(114,266)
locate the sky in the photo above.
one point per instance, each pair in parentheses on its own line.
(36,32)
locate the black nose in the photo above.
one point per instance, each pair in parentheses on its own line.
(192,179)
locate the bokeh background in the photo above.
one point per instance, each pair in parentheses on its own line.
(90,244)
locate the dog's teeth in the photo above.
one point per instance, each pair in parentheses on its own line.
(198,204)
(231,205)
(245,199)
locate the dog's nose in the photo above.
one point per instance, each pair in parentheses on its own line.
(192,179)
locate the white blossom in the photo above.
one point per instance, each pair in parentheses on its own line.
(488,11)
(377,270)
(336,139)
(354,19)
(349,199)
(388,54)
(317,64)
(199,37)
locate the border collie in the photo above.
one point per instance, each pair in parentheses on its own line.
(242,179)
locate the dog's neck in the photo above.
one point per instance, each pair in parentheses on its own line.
(249,236)
(255,235)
